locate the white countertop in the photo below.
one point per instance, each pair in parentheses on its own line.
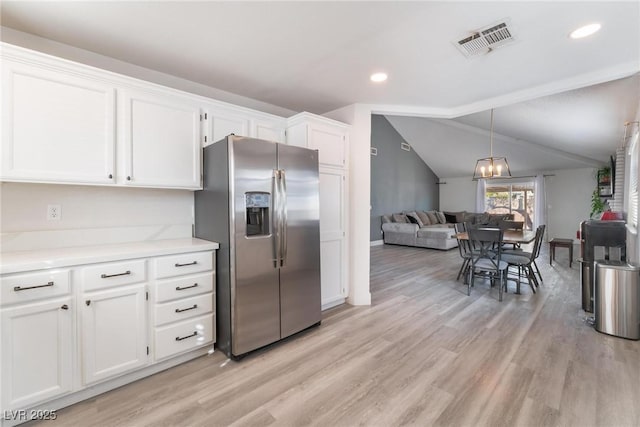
(16,262)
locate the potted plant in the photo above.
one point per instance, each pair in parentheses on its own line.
(604,175)
(597,205)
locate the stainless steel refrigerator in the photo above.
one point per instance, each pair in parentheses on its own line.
(260,202)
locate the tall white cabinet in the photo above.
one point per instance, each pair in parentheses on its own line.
(331,139)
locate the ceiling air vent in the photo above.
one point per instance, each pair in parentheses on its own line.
(486,39)
(405,146)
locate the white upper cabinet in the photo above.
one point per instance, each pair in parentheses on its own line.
(327,136)
(161,135)
(64,122)
(56,126)
(270,130)
(221,122)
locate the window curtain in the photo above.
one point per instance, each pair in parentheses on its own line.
(540,214)
(480,195)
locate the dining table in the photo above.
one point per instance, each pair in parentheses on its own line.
(510,236)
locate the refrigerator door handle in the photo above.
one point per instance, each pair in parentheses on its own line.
(275,217)
(283,213)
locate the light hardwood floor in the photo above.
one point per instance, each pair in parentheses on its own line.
(423,354)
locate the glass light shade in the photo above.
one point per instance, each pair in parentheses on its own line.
(492,167)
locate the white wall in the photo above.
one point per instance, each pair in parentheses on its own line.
(458,194)
(90,215)
(568,201)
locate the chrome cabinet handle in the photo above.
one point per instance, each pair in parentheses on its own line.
(20,288)
(65,307)
(180,310)
(106,276)
(178,288)
(184,265)
(188,336)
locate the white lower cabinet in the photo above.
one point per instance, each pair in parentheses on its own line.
(37,352)
(114,332)
(184,303)
(73,332)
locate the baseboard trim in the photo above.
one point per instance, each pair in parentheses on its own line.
(376,243)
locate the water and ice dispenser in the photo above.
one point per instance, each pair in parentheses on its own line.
(257,204)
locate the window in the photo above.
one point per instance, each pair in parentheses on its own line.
(515,198)
(632,218)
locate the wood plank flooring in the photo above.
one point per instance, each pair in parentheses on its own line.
(423,354)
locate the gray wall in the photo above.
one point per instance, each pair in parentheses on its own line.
(400,180)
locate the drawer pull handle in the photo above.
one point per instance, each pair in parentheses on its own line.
(65,307)
(20,288)
(195,333)
(184,265)
(180,310)
(106,276)
(178,288)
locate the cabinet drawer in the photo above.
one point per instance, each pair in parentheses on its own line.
(19,288)
(184,336)
(108,275)
(184,308)
(181,287)
(176,265)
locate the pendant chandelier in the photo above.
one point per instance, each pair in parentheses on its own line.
(491,167)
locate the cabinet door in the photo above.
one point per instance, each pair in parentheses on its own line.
(222,124)
(330,143)
(332,237)
(270,131)
(56,127)
(114,332)
(37,345)
(162,141)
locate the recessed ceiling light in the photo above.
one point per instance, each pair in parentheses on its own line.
(378,77)
(585,31)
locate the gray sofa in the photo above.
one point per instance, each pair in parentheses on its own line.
(431,229)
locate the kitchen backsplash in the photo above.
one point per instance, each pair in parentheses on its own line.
(90,215)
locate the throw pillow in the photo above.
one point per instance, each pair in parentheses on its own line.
(433,219)
(441,217)
(414,218)
(400,217)
(450,218)
(424,218)
(386,219)
(469,217)
(459,216)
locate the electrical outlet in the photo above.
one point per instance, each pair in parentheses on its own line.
(54,212)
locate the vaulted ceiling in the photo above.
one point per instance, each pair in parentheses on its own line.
(317,56)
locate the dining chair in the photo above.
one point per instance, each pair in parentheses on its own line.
(524,261)
(486,259)
(506,224)
(465,251)
(535,250)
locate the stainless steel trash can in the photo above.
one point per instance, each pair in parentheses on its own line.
(617,299)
